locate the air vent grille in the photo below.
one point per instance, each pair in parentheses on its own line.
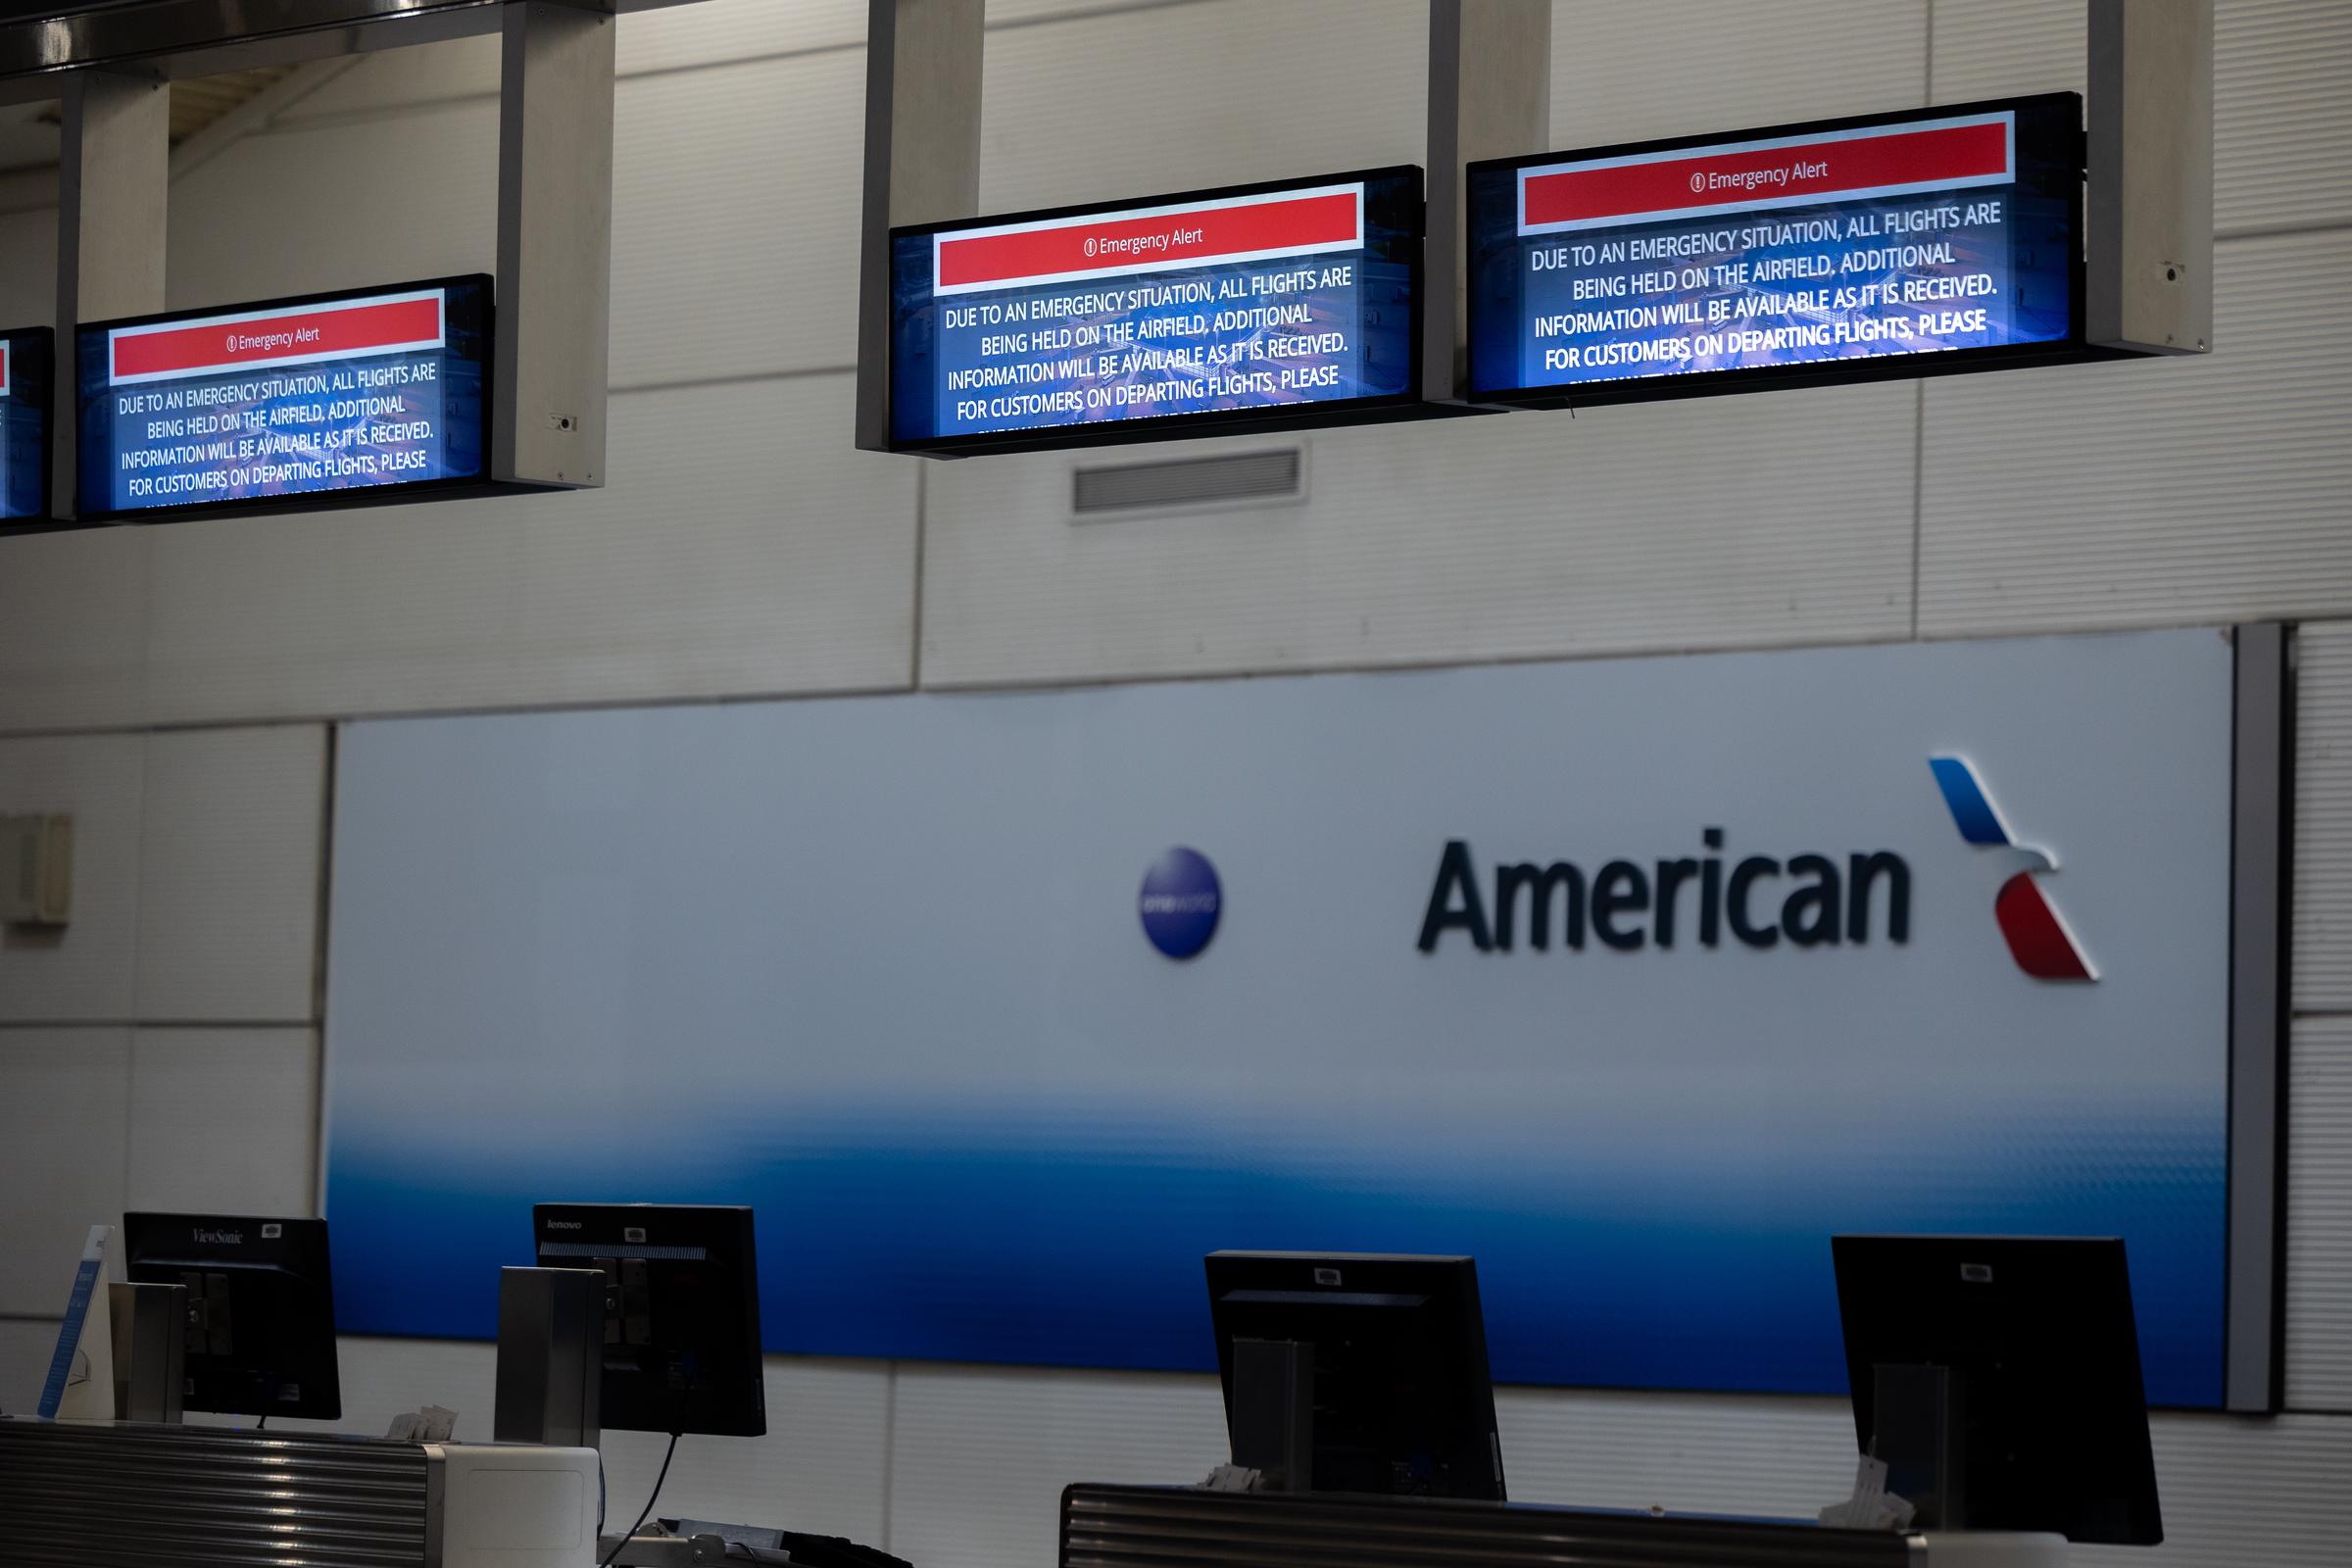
(1234,478)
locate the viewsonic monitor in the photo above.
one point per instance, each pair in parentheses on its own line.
(1999,1379)
(260,1329)
(681,1312)
(1401,1401)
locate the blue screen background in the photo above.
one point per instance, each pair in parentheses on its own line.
(25,426)
(2021,271)
(215,469)
(1373,313)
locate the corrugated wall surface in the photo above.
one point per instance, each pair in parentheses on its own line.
(168,1045)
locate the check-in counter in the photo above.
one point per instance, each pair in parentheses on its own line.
(97,1494)
(1182,1526)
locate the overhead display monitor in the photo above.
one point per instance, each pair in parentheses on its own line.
(1249,307)
(25,424)
(1905,244)
(360,395)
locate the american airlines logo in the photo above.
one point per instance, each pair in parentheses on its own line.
(2037,935)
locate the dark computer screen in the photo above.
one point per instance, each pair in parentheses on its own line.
(1402,1401)
(681,1312)
(261,1328)
(2037,1339)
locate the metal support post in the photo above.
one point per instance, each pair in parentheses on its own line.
(922,161)
(1490,97)
(554,245)
(111,176)
(2148,283)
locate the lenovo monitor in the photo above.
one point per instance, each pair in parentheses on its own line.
(681,1312)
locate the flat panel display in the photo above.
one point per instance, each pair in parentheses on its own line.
(25,424)
(1251,306)
(1884,245)
(341,396)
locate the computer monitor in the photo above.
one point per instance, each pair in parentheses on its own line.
(681,1312)
(1999,1379)
(1399,1396)
(260,1327)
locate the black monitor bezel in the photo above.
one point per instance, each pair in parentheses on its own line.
(397,492)
(1338,413)
(1383,1273)
(726,1228)
(2072,349)
(44,341)
(300,1251)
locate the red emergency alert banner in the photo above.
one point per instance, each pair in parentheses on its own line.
(384,323)
(1146,239)
(1941,155)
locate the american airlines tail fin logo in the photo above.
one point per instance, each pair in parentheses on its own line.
(2037,935)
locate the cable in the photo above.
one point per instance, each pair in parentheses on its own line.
(262,1422)
(622,1544)
(600,1491)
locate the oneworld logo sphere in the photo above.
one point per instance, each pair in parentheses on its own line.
(1180,903)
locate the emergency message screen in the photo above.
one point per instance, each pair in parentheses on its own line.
(1882,240)
(1211,308)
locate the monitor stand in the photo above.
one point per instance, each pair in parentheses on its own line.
(1919,1420)
(1273,1414)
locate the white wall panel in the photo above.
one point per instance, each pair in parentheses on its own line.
(64,1113)
(742,548)
(26,1346)
(344,205)
(1065,119)
(1686,1452)
(2007,48)
(979,1455)
(396,82)
(72,629)
(1623,72)
(2243,1492)
(822,1466)
(29,269)
(384,1378)
(2157,491)
(735,201)
(2322,890)
(230,880)
(2319,1216)
(87,970)
(680,37)
(1712,522)
(223,1121)
(2282,73)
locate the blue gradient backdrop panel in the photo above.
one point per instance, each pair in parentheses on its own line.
(24,377)
(1264,300)
(327,395)
(881,975)
(1892,242)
